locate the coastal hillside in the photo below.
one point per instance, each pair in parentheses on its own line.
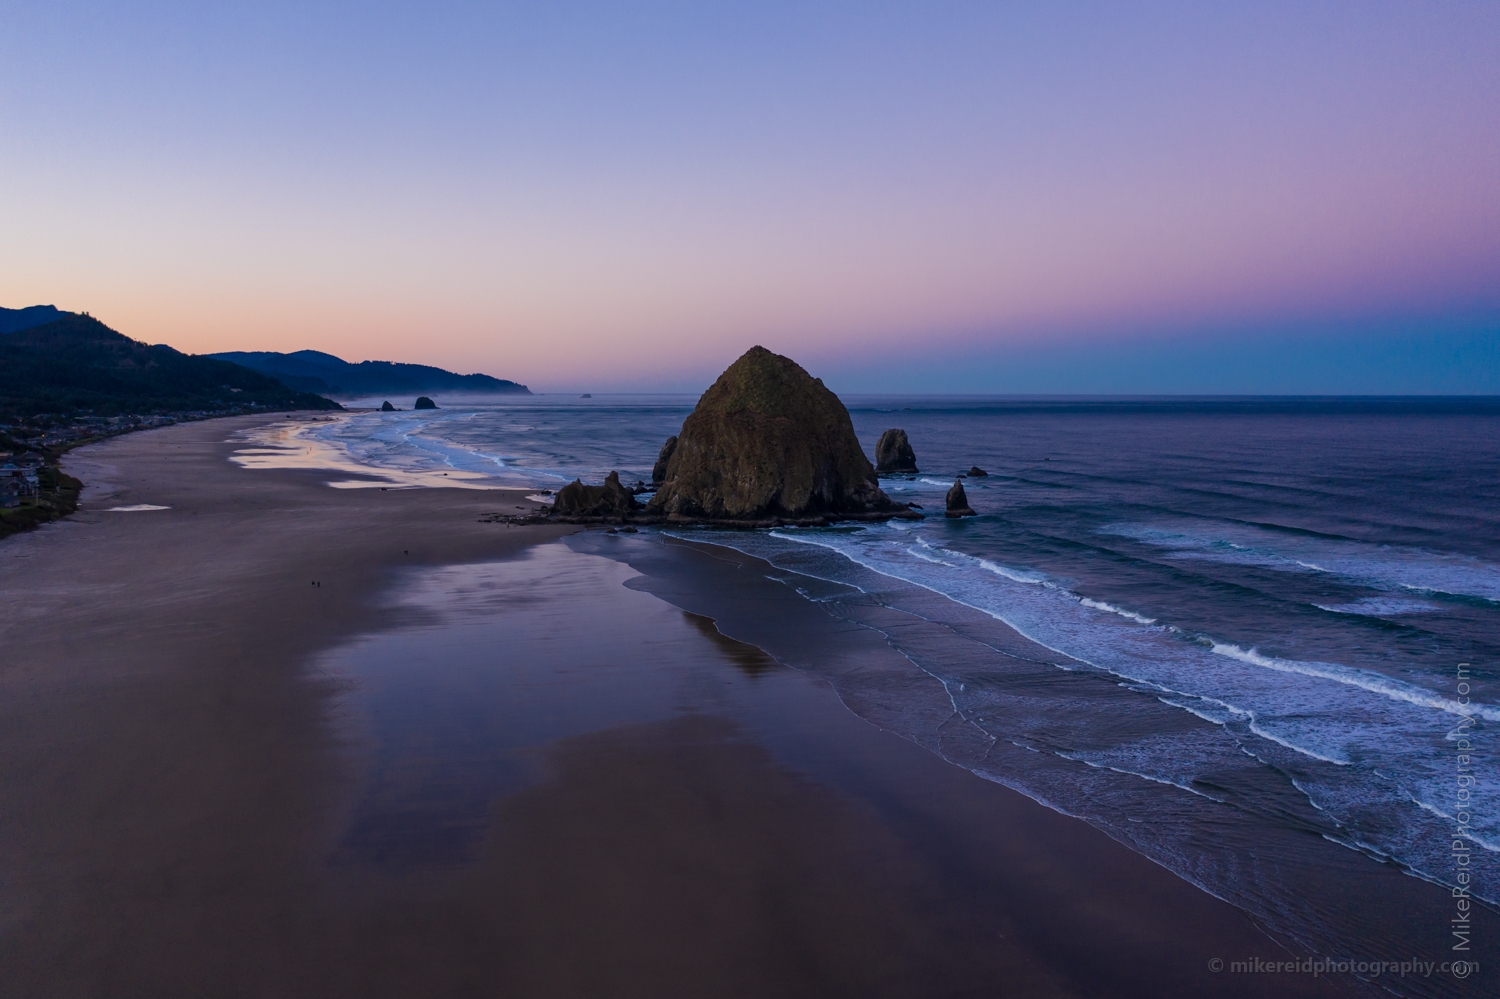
(76,364)
(314,371)
(12,320)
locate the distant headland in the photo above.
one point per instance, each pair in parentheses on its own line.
(315,371)
(55,365)
(67,379)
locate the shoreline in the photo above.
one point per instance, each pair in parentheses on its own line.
(167,730)
(902,699)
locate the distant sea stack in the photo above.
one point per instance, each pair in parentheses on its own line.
(893,454)
(425,403)
(767,442)
(958,502)
(386,407)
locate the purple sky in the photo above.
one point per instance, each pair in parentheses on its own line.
(971,197)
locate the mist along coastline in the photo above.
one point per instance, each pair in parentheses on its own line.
(339,722)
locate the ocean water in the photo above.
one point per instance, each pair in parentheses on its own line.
(1249,622)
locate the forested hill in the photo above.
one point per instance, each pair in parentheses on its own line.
(77,364)
(315,371)
(33,315)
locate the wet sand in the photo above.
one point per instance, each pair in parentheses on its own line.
(480,759)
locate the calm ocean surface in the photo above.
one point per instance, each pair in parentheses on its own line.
(1256,609)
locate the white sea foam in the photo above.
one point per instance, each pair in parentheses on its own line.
(929,558)
(1363,679)
(1101,605)
(136,508)
(1134,773)
(1390,567)
(1380,607)
(1325,714)
(1261,730)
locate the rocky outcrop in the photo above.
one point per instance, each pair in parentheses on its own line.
(958,502)
(386,407)
(659,470)
(893,453)
(611,500)
(425,403)
(977,473)
(769,442)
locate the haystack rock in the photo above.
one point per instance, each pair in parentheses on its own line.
(609,500)
(958,502)
(659,470)
(893,453)
(768,442)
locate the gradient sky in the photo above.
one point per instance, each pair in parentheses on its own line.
(1147,197)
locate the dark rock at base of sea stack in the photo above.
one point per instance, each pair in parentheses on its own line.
(659,470)
(958,502)
(769,442)
(977,473)
(609,500)
(893,453)
(425,403)
(386,407)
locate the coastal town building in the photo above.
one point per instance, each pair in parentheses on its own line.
(19,479)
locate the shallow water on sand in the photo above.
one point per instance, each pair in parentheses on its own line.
(1251,617)
(596,792)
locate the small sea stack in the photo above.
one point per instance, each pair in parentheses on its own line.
(893,454)
(425,403)
(958,502)
(386,407)
(576,500)
(977,473)
(769,442)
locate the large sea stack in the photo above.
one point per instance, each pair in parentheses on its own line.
(893,453)
(769,442)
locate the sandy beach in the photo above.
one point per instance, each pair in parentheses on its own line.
(280,739)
